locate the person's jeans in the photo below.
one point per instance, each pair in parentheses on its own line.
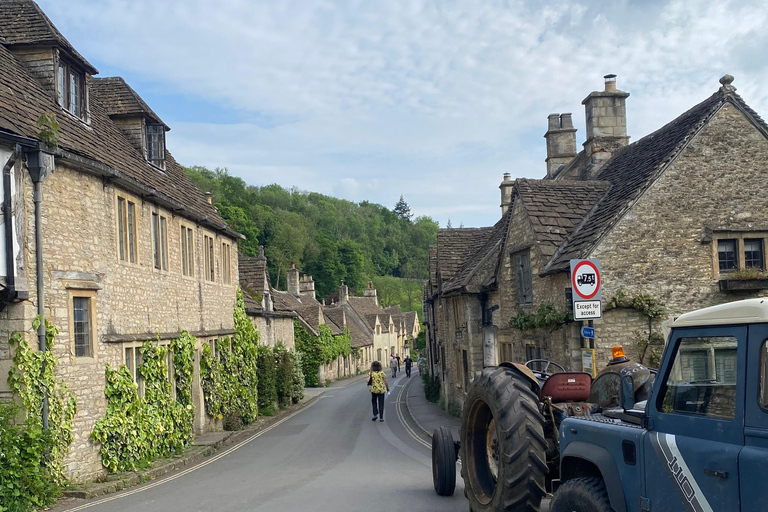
(407,371)
(377,400)
(394,372)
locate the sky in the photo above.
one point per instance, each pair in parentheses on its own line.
(432,100)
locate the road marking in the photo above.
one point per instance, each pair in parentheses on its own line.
(408,428)
(193,468)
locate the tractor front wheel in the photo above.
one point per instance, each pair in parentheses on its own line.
(443,462)
(503,450)
(581,495)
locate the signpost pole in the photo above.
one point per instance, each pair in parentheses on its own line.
(592,343)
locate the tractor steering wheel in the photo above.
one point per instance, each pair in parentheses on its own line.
(547,362)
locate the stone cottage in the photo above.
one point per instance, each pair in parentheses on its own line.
(676,219)
(104,235)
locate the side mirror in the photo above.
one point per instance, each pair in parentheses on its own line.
(627,391)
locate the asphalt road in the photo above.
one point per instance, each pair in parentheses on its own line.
(327,457)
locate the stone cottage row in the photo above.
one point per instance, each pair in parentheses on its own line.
(678,220)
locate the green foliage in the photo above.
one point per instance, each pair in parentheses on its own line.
(402,209)
(331,239)
(267,380)
(297,388)
(49,130)
(230,377)
(317,350)
(398,291)
(545,316)
(650,347)
(137,430)
(649,306)
(289,379)
(31,458)
(431,387)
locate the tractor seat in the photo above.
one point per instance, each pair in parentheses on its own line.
(568,387)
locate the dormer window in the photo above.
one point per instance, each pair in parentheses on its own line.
(71,89)
(156,145)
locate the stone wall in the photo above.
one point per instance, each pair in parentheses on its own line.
(81,259)
(274,329)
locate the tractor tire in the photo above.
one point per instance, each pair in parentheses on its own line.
(443,462)
(581,495)
(503,450)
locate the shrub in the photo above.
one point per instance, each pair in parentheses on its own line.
(267,384)
(431,387)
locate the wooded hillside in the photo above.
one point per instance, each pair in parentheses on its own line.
(331,239)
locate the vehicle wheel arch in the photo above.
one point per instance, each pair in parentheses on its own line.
(581,459)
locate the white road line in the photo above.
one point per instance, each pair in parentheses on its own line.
(398,408)
(193,468)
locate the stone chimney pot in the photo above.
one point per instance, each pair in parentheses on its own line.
(209,197)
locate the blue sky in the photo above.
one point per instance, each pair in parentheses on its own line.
(432,100)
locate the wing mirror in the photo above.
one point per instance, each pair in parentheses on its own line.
(627,391)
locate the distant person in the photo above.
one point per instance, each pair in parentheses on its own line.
(397,356)
(379,386)
(393,365)
(408,363)
(421,361)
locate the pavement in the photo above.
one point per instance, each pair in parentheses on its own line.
(427,415)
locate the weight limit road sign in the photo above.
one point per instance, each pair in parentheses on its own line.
(585,280)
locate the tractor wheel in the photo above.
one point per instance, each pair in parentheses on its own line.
(581,495)
(502,443)
(443,462)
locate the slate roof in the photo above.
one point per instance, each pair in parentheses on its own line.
(253,274)
(359,337)
(487,255)
(119,99)
(364,306)
(454,245)
(555,208)
(337,329)
(636,167)
(251,306)
(22,22)
(23,100)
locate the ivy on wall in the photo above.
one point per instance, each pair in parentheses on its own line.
(267,380)
(137,430)
(545,316)
(648,346)
(230,377)
(317,350)
(289,379)
(31,458)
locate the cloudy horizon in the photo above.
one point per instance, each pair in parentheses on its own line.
(432,101)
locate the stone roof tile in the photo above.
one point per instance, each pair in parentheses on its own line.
(119,99)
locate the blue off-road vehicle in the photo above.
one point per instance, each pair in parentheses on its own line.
(692,438)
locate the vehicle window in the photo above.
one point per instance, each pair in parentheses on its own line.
(764,375)
(703,378)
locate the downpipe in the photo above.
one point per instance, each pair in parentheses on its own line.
(38,200)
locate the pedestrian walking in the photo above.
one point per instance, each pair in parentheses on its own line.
(420,362)
(408,363)
(393,365)
(397,356)
(379,386)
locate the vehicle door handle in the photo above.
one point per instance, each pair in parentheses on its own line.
(716,472)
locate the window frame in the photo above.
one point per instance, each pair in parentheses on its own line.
(523,280)
(159,231)
(155,151)
(127,238)
(65,74)
(209,262)
(187,248)
(226,263)
(736,251)
(740,238)
(90,297)
(761,250)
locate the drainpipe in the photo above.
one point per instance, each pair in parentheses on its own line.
(40,165)
(10,274)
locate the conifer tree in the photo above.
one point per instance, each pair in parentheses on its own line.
(402,209)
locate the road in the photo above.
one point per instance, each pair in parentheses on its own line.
(327,457)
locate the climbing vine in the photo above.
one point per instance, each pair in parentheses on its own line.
(317,350)
(652,344)
(230,376)
(31,458)
(137,430)
(267,380)
(289,380)
(545,316)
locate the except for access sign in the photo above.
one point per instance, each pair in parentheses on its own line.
(587,310)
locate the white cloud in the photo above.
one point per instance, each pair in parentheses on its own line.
(433,100)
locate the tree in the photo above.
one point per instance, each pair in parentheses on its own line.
(402,209)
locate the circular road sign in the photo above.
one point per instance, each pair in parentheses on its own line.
(585,279)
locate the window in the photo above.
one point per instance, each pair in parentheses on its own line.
(160,241)
(753,253)
(187,251)
(523,278)
(226,254)
(505,350)
(133,362)
(726,254)
(703,378)
(126,228)
(156,145)
(82,326)
(208,248)
(71,89)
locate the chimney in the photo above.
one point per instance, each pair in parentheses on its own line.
(209,197)
(307,286)
(293,281)
(261,253)
(561,142)
(506,192)
(370,291)
(343,293)
(606,115)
